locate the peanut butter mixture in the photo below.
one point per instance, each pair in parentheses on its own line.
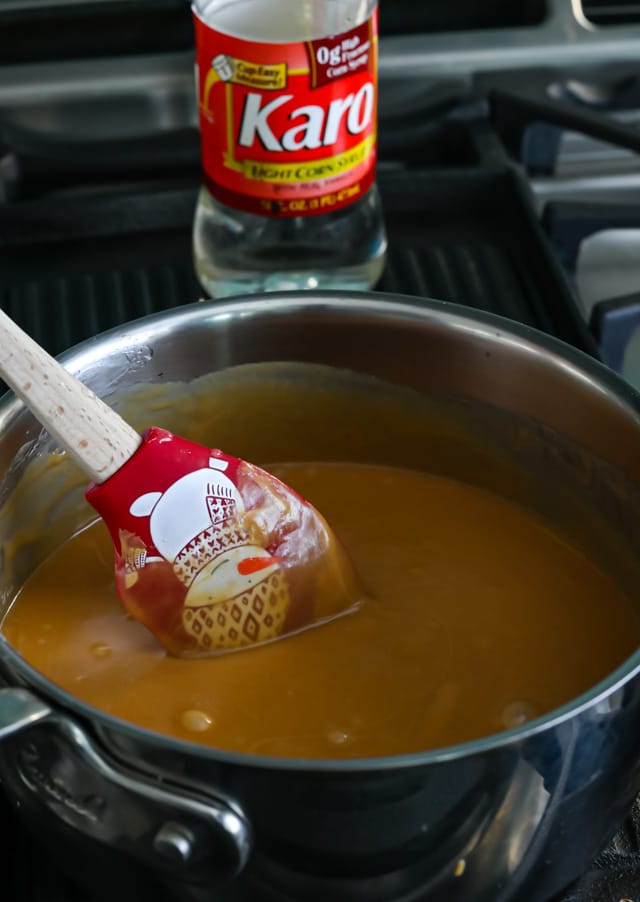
(478,618)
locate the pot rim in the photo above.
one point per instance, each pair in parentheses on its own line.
(381,304)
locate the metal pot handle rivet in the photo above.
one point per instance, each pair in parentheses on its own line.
(174,842)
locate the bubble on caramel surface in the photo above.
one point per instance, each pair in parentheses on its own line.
(196,721)
(101,650)
(517,713)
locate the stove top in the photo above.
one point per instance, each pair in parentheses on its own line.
(509,174)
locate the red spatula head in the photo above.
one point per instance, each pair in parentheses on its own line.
(213,553)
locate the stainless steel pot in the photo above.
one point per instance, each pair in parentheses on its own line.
(515,816)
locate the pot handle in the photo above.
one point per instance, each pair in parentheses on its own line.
(55,765)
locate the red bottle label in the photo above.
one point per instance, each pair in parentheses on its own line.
(288,129)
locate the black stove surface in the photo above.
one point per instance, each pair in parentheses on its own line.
(462,228)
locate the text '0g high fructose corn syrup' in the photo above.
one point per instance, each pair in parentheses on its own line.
(287,98)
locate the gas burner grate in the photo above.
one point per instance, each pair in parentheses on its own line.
(615,875)
(72,268)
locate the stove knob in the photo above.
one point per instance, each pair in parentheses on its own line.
(174,842)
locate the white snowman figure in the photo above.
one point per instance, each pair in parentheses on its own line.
(236,592)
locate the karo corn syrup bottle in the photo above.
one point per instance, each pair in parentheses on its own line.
(287,97)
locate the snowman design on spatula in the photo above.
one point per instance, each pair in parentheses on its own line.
(236,592)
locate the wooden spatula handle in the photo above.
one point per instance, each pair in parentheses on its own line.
(97,437)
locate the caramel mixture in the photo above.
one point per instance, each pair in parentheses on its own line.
(479,617)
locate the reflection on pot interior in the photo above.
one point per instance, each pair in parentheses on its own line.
(491,598)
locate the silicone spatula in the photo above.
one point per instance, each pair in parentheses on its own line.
(212,553)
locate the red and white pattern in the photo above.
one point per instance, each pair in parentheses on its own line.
(205,548)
